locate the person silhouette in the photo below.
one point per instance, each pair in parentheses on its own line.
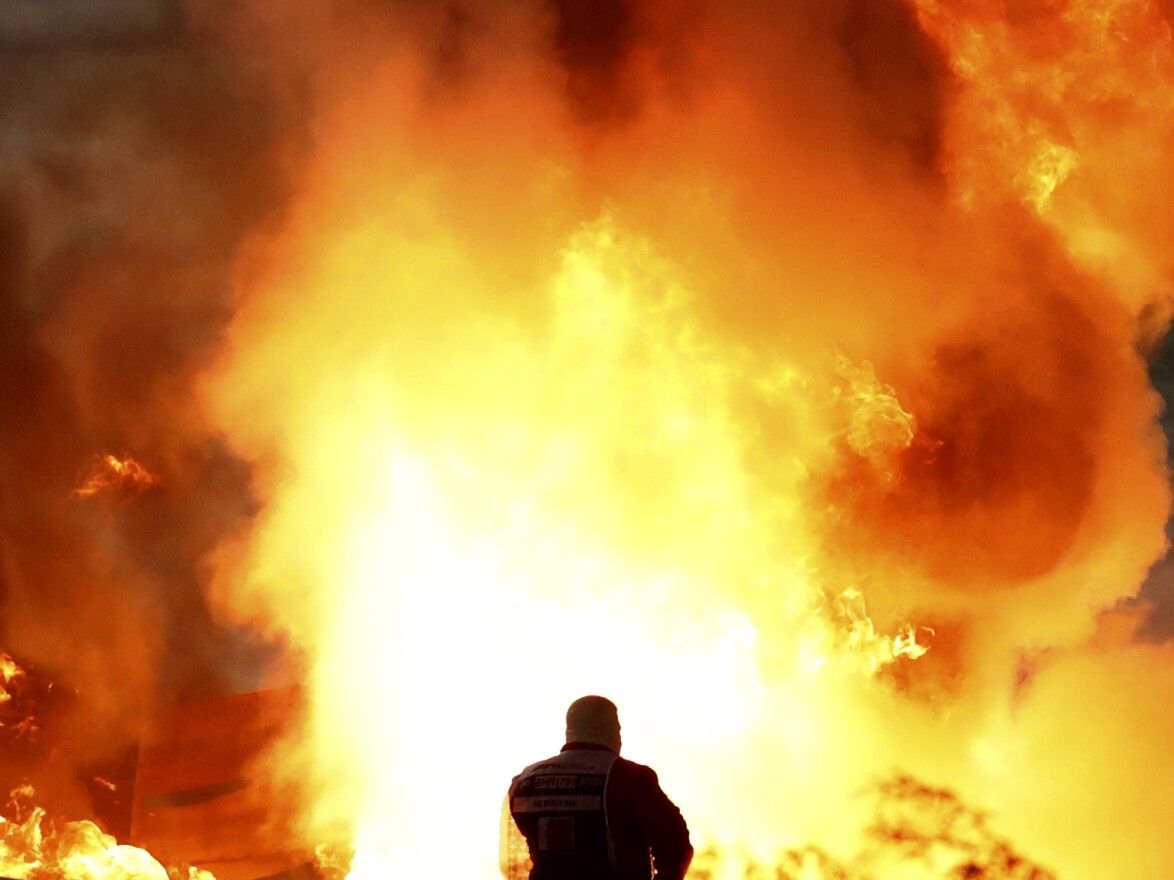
(588,814)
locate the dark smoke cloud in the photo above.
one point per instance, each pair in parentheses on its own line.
(128,178)
(594,40)
(67,24)
(1158,590)
(901,76)
(617,55)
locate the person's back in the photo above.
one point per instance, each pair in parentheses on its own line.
(588,814)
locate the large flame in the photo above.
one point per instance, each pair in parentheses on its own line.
(74,851)
(657,406)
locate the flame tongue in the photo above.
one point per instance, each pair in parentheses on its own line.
(109,473)
(75,851)
(69,851)
(9,672)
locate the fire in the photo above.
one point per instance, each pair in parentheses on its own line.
(74,851)
(109,473)
(548,417)
(1072,101)
(35,847)
(9,672)
(16,715)
(878,427)
(853,638)
(776,369)
(916,831)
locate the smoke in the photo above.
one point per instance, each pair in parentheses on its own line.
(1158,590)
(128,177)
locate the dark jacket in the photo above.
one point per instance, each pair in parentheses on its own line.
(598,816)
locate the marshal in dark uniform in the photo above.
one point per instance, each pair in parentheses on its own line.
(588,814)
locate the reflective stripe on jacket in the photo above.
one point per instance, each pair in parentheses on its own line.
(559,805)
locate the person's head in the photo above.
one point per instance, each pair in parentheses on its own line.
(594,720)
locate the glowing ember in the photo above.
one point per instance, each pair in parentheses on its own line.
(123,476)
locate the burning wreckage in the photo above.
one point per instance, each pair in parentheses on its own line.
(381,375)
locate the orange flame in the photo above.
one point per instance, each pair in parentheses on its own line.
(14,718)
(124,476)
(34,849)
(479,505)
(1072,100)
(9,672)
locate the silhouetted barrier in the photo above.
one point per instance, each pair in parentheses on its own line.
(198,795)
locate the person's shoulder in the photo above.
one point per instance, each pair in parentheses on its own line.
(527,771)
(635,771)
(531,767)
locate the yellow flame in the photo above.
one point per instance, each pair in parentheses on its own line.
(76,851)
(86,853)
(9,672)
(1047,169)
(10,676)
(575,517)
(504,470)
(20,845)
(852,641)
(878,426)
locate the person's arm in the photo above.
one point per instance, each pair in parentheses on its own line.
(666,831)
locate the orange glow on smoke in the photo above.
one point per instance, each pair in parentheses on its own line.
(1074,103)
(820,468)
